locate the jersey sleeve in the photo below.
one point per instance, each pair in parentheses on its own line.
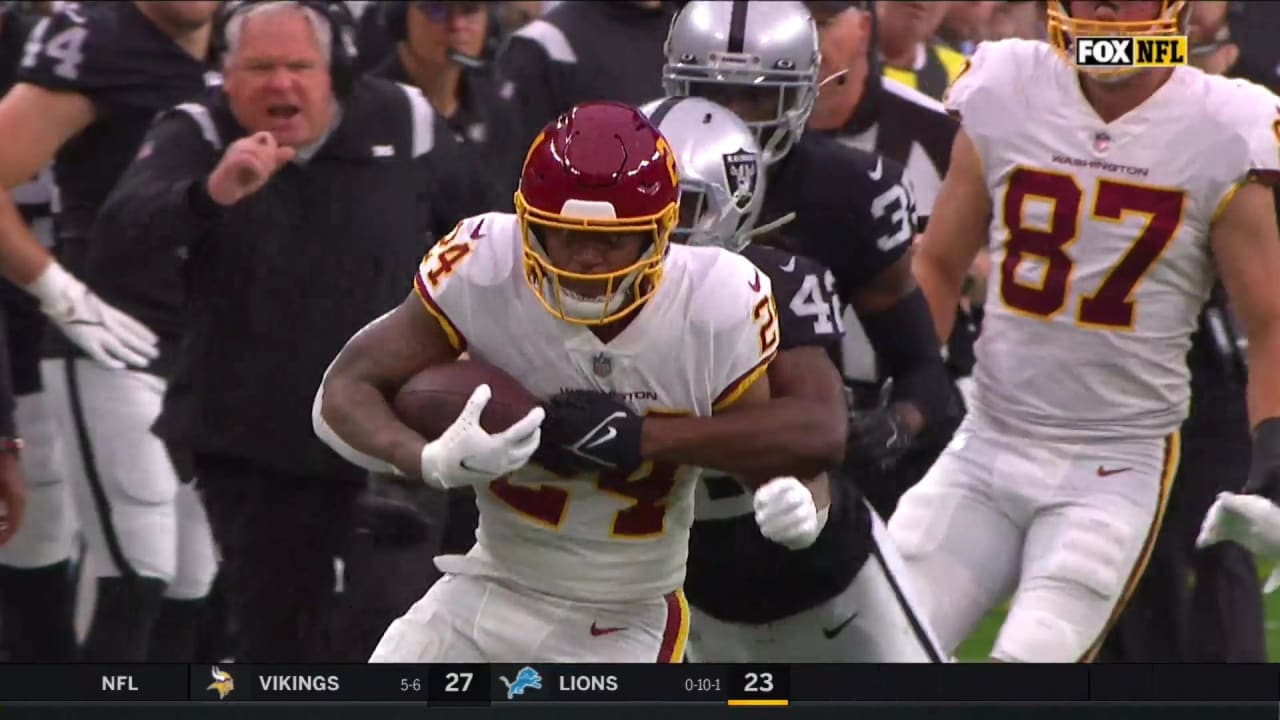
(982,96)
(1259,128)
(805,292)
(1243,130)
(743,325)
(446,277)
(94,51)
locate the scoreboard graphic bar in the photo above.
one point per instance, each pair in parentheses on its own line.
(762,685)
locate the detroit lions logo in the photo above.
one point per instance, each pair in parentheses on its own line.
(741,170)
(526,679)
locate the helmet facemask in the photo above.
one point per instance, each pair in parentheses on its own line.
(789,96)
(619,291)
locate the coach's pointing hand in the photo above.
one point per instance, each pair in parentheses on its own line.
(246,166)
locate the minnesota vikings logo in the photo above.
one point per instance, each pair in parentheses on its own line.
(740,169)
(222,683)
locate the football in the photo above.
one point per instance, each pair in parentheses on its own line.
(433,399)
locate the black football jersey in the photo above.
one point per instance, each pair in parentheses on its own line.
(129,69)
(13,30)
(737,575)
(808,305)
(854,213)
(778,582)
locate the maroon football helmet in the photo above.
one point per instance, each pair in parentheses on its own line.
(600,167)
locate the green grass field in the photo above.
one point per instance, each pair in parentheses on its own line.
(978,647)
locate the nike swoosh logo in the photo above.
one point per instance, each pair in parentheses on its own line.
(1104,472)
(878,171)
(598,631)
(755,282)
(832,632)
(594,438)
(790,265)
(475,234)
(611,433)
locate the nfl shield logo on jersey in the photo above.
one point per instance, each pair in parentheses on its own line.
(1101,142)
(740,170)
(602,365)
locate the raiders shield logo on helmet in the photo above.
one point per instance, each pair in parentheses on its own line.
(740,169)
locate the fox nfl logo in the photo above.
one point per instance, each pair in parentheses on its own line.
(1131,52)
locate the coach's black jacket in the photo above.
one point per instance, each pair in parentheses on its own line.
(280,281)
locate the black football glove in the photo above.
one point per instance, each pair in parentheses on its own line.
(587,430)
(1264,469)
(877,437)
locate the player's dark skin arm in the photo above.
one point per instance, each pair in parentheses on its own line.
(799,430)
(884,291)
(374,364)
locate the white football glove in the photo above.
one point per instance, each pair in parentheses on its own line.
(786,514)
(106,334)
(1251,520)
(467,455)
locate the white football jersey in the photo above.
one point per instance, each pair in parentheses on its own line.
(1100,236)
(708,332)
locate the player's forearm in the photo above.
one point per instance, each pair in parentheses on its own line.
(1264,381)
(942,289)
(786,436)
(22,257)
(355,416)
(908,352)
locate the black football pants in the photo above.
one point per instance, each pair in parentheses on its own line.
(279,535)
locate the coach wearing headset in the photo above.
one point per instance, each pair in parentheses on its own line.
(305,196)
(446,49)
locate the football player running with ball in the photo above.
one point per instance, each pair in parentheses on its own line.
(578,290)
